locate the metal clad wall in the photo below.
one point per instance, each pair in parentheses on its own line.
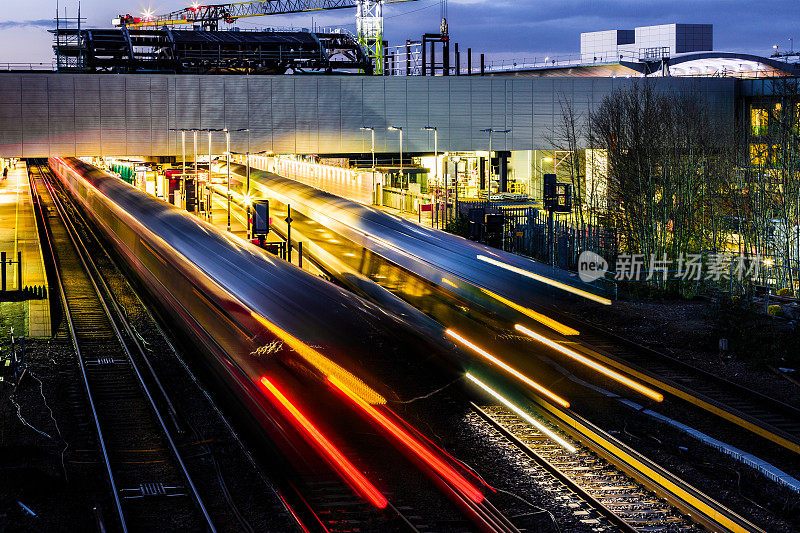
(89,114)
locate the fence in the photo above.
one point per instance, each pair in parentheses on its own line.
(525,231)
(404,200)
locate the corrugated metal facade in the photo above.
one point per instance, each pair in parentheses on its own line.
(96,114)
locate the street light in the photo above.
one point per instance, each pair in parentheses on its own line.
(374,187)
(435,157)
(228,159)
(541,166)
(209,156)
(195,161)
(208,187)
(452,215)
(248,202)
(183,153)
(402,191)
(491,131)
(183,150)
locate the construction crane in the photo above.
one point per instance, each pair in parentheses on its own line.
(369,18)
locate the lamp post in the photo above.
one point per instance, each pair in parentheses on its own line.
(541,165)
(206,192)
(183,150)
(196,171)
(209,156)
(228,161)
(183,156)
(372,150)
(435,159)
(402,191)
(491,131)
(248,202)
(195,154)
(452,216)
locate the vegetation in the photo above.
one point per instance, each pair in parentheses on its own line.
(678,179)
(459,226)
(753,335)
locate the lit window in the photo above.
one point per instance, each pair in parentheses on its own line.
(796,118)
(758,121)
(758,154)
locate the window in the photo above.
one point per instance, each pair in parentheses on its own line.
(758,121)
(759,154)
(796,118)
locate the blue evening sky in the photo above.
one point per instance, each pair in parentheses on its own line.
(501,28)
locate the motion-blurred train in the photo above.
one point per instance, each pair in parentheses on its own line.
(295,348)
(388,248)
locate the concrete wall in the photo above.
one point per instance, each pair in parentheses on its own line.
(679,38)
(45,114)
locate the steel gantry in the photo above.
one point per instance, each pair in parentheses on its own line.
(369,22)
(369,18)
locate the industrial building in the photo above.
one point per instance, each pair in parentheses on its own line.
(130,91)
(303,280)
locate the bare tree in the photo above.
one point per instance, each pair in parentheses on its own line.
(665,169)
(568,137)
(774,175)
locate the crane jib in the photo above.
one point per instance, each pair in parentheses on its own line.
(213,14)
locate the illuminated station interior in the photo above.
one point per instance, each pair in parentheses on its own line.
(307,280)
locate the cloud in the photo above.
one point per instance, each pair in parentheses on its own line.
(500,28)
(46,23)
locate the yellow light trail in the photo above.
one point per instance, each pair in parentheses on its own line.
(525,379)
(320,362)
(548,281)
(522,414)
(542,319)
(616,376)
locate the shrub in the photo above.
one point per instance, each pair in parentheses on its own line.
(459,226)
(753,335)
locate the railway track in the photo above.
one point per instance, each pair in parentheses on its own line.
(150,486)
(605,498)
(616,488)
(325,504)
(613,487)
(329,505)
(764,416)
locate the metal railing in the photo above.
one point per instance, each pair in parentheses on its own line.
(499,65)
(403,200)
(11,67)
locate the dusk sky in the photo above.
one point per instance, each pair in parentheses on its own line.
(501,28)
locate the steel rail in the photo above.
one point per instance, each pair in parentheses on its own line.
(626,358)
(483,514)
(701,507)
(752,417)
(648,473)
(93,275)
(484,511)
(78,355)
(555,471)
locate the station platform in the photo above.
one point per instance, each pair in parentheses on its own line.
(24,304)
(424,218)
(219,218)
